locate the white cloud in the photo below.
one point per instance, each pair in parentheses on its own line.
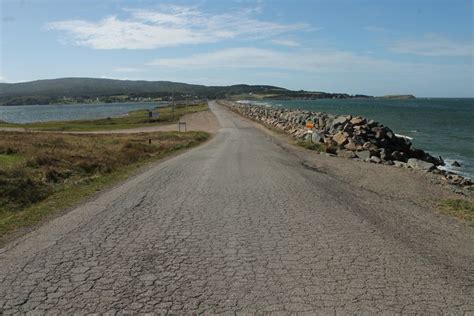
(433,45)
(322,62)
(170,26)
(286,42)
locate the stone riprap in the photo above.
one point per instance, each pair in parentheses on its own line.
(347,136)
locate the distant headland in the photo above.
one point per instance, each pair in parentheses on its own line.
(398,97)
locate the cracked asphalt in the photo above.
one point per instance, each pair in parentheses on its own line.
(240,224)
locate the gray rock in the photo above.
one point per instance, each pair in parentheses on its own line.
(456,164)
(364,155)
(420,164)
(358,121)
(351,146)
(400,156)
(372,123)
(317,137)
(346,154)
(375,159)
(400,164)
(340,120)
(385,154)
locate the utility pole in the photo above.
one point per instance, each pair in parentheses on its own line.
(173,105)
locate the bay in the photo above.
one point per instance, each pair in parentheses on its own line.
(66,112)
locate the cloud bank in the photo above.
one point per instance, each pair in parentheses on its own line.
(170,26)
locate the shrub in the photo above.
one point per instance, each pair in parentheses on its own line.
(44,159)
(19,189)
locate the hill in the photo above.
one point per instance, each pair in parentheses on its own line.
(81,89)
(89,90)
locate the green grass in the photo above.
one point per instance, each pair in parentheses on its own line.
(312,146)
(62,170)
(459,208)
(134,119)
(7,161)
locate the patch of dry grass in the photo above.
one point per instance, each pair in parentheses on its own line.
(460,208)
(57,169)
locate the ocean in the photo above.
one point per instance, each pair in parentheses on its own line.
(442,127)
(66,112)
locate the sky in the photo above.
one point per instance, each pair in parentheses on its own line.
(374,47)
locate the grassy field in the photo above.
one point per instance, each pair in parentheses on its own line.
(134,119)
(460,208)
(41,173)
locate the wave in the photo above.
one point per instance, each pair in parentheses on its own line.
(463,170)
(404,136)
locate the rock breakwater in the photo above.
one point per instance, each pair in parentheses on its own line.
(348,136)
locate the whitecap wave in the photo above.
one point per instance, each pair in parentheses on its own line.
(448,166)
(404,136)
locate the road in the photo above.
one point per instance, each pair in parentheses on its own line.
(236,225)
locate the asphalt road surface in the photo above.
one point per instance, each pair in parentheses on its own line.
(236,225)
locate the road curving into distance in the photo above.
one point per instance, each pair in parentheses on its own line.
(239,224)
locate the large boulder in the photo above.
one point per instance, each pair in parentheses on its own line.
(346,154)
(420,164)
(358,121)
(340,120)
(364,155)
(340,138)
(351,145)
(400,164)
(375,159)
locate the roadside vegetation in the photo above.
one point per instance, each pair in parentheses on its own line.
(312,146)
(41,173)
(462,209)
(133,119)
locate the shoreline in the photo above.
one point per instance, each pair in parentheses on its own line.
(84,103)
(340,140)
(441,126)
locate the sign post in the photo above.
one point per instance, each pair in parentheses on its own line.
(310,126)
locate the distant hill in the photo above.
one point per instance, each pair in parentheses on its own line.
(72,90)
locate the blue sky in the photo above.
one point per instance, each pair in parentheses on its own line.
(371,47)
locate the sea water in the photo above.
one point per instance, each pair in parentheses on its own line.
(442,127)
(67,112)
